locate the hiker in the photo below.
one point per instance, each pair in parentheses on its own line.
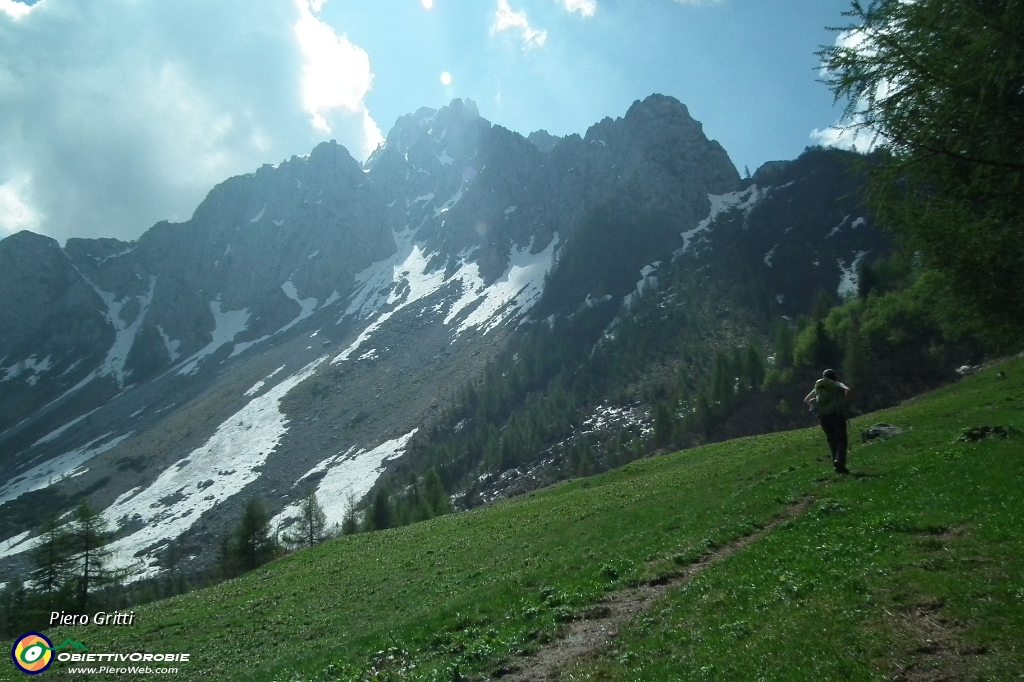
(827,399)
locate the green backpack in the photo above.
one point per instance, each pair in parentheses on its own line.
(829,396)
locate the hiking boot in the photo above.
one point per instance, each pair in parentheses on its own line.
(842,470)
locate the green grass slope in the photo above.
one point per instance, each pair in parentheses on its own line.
(911,569)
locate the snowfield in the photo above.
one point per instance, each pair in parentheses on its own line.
(228,325)
(213,472)
(849,278)
(720,203)
(404,279)
(62,466)
(350,475)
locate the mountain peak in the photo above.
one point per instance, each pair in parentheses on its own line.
(465,107)
(659,105)
(543,140)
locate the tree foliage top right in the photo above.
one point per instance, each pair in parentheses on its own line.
(939,86)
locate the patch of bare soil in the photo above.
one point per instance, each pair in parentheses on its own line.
(929,648)
(601,622)
(935,653)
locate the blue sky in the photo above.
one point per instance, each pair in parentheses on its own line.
(119,113)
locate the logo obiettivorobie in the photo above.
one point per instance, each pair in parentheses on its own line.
(32,653)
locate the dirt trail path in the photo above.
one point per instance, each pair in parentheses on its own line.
(603,621)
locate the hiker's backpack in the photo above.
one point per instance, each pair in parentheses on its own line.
(828,396)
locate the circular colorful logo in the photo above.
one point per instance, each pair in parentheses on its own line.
(32,653)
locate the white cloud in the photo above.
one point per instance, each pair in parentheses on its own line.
(14,9)
(16,211)
(126,113)
(335,74)
(585,7)
(845,135)
(505,20)
(851,132)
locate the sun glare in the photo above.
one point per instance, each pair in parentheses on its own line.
(446,78)
(427,4)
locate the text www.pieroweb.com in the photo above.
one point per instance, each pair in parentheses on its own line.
(127,670)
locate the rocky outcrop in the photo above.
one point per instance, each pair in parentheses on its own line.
(799,227)
(623,194)
(53,325)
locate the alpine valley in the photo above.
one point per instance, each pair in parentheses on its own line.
(506,310)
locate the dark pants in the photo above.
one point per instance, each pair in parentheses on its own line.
(834,426)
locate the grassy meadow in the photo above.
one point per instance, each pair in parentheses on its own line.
(910,569)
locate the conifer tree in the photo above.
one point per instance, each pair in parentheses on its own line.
(350,522)
(738,370)
(854,359)
(822,305)
(435,494)
(89,557)
(311,527)
(783,345)
(937,85)
(721,379)
(702,412)
(13,608)
(226,557)
(754,368)
(52,558)
(252,545)
(663,423)
(586,466)
(382,513)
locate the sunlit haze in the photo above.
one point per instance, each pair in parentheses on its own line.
(106,142)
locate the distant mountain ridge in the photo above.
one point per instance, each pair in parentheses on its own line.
(310,316)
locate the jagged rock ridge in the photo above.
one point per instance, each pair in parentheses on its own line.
(310,316)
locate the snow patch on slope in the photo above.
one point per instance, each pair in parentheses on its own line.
(849,279)
(170,344)
(58,431)
(608,417)
(404,279)
(426,198)
(350,475)
(835,230)
(517,290)
(647,279)
(307,305)
(720,203)
(123,252)
(63,466)
(227,325)
(13,545)
(220,468)
(255,388)
(114,363)
(447,206)
(306,308)
(29,364)
(125,333)
(378,285)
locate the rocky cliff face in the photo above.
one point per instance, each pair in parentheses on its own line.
(311,316)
